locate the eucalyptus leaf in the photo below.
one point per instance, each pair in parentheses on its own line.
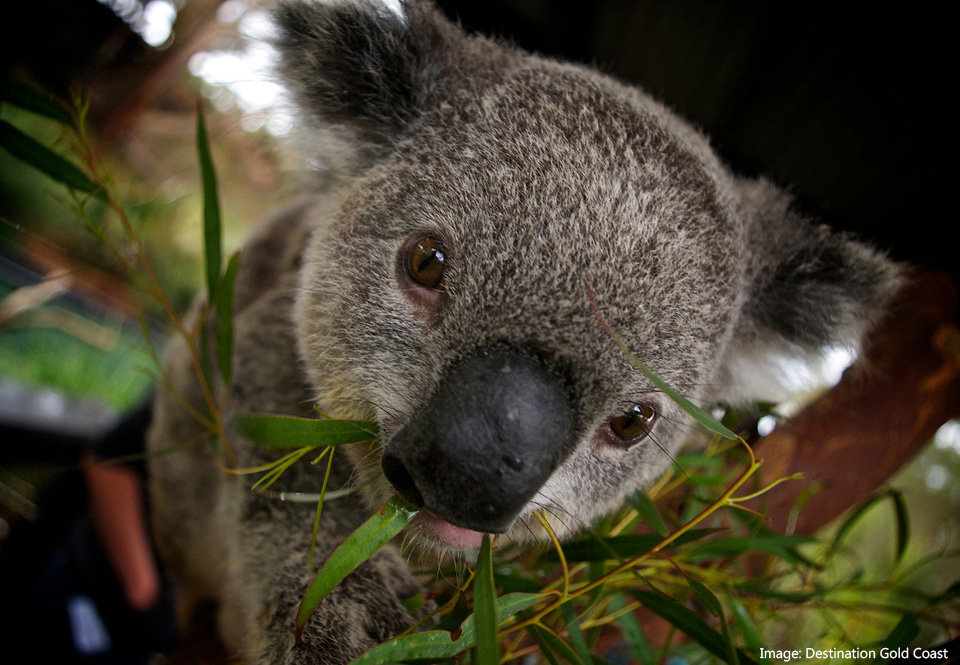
(292,432)
(690,624)
(34,101)
(439,644)
(622,547)
(648,511)
(212,248)
(40,157)
(359,546)
(902,634)
(225,318)
(485,607)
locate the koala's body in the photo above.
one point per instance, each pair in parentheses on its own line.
(438,285)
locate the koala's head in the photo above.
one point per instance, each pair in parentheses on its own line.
(476,192)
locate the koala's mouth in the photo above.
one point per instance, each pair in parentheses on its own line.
(440,532)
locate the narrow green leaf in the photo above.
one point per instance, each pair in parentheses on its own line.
(621,547)
(633,632)
(789,596)
(439,644)
(690,624)
(901,518)
(747,628)
(714,606)
(648,511)
(40,157)
(211,209)
(34,101)
(778,545)
(485,607)
(903,524)
(224,313)
(698,414)
(903,633)
(291,432)
(357,548)
(546,650)
(575,634)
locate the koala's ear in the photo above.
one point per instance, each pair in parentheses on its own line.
(358,69)
(809,288)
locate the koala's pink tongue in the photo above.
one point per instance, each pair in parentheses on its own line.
(453,536)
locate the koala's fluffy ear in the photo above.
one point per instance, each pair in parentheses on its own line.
(809,288)
(359,69)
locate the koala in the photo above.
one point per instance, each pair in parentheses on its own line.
(474,201)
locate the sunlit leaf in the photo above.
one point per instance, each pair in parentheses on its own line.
(903,633)
(291,432)
(439,644)
(359,546)
(485,607)
(40,157)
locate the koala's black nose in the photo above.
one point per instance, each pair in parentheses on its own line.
(496,427)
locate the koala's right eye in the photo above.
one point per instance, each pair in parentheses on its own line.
(424,261)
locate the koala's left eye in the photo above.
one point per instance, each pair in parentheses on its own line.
(425,261)
(634,425)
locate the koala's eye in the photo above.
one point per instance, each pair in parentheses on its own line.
(424,262)
(634,425)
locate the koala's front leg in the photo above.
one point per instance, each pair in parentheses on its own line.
(271,574)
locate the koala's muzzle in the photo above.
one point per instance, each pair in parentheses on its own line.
(497,426)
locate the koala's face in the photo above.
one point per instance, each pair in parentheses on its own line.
(447,295)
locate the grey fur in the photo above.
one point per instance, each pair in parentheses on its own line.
(540,177)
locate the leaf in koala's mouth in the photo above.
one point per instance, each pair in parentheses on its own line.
(357,548)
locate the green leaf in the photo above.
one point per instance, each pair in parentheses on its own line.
(903,524)
(291,432)
(902,634)
(698,414)
(761,591)
(648,511)
(546,641)
(439,644)
(709,422)
(34,101)
(225,318)
(211,210)
(576,635)
(633,632)
(901,516)
(690,624)
(722,547)
(485,607)
(357,548)
(621,547)
(40,157)
(747,628)
(713,605)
